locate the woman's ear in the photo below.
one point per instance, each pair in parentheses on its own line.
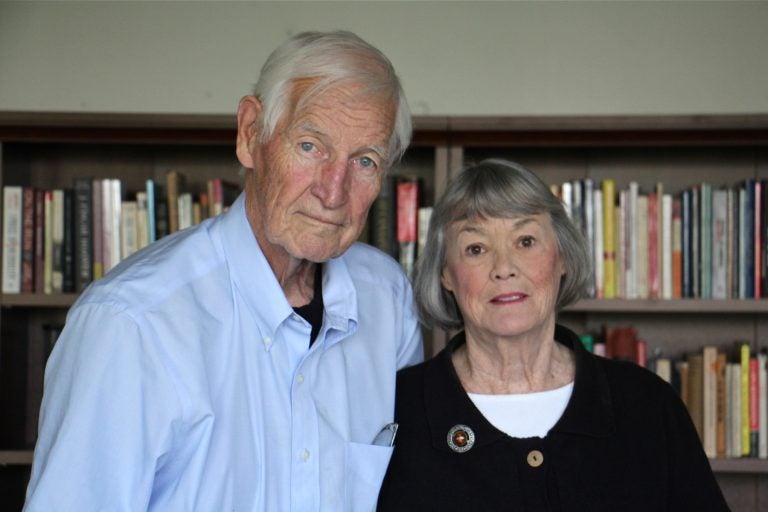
(248,129)
(446,281)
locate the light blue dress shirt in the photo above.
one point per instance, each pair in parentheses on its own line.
(183,381)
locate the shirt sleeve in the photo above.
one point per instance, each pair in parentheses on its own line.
(106,416)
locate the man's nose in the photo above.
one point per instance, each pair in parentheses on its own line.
(332,184)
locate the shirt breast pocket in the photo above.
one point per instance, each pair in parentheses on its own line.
(366,465)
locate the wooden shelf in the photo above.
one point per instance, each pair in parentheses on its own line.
(673,306)
(39,300)
(15,457)
(753,466)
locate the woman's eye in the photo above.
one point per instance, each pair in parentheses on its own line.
(527,241)
(474,250)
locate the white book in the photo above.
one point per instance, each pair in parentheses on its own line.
(566,196)
(666,246)
(664,368)
(116,188)
(129,235)
(589,222)
(597,250)
(424,215)
(184,205)
(12,230)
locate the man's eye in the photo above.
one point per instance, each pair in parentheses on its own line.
(367,162)
(306,146)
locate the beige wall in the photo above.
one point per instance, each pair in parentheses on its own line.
(454,57)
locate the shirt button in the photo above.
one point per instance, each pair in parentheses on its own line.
(535,458)
(305,455)
(300,378)
(267,341)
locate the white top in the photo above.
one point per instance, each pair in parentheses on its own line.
(526,414)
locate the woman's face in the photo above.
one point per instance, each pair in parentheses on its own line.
(504,274)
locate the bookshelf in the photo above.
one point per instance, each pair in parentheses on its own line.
(50,149)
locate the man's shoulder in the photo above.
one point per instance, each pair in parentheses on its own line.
(157,271)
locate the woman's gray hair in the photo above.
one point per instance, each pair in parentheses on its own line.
(496,188)
(331,58)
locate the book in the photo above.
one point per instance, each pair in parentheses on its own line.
(762,384)
(709,400)
(425,214)
(597,249)
(129,234)
(654,266)
(754,406)
(687,242)
(142,220)
(97,214)
(609,234)
(695,398)
(758,242)
(719,248)
(48,243)
(705,236)
(175,184)
(677,249)
(57,240)
(745,400)
(28,240)
(382,218)
(83,233)
(667,247)
(12,233)
(621,343)
(68,243)
(642,247)
(407,204)
(39,240)
(721,403)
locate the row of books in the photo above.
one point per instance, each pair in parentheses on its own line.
(59,240)
(725,390)
(398,220)
(703,242)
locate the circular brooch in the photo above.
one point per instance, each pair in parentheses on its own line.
(461,438)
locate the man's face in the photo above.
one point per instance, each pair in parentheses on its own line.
(316,177)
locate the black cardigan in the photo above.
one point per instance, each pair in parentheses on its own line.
(625,442)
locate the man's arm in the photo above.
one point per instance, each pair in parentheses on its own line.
(105,417)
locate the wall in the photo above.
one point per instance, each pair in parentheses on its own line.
(454,57)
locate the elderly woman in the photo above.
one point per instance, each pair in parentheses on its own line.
(514,414)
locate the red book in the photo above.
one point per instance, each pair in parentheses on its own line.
(28,240)
(407,204)
(754,406)
(758,239)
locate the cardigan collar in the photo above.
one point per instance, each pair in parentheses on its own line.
(588,412)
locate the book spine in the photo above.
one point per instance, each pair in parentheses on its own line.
(151,213)
(745,403)
(68,244)
(28,241)
(12,233)
(83,232)
(609,239)
(597,249)
(48,241)
(39,240)
(754,407)
(407,222)
(57,234)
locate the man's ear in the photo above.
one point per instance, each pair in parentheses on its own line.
(248,129)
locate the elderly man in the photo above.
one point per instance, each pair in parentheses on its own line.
(248,363)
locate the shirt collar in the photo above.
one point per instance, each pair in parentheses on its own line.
(256,283)
(588,411)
